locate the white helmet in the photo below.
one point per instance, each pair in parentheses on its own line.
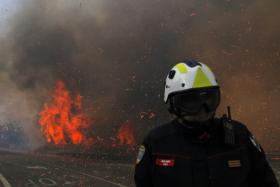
(188,75)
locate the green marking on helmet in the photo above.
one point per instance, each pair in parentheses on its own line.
(201,80)
(182,68)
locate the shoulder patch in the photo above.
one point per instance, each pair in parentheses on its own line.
(141,153)
(255,143)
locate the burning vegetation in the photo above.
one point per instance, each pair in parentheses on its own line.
(63,121)
(126,135)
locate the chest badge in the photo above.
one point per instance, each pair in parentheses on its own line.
(165,162)
(141,153)
(234,163)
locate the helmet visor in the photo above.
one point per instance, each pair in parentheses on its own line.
(191,102)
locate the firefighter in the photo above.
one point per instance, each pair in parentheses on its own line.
(197,149)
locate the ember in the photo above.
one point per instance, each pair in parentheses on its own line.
(62,120)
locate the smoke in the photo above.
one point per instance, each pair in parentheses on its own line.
(117,54)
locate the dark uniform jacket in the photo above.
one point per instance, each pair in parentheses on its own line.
(174,155)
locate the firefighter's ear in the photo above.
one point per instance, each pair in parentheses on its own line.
(172,109)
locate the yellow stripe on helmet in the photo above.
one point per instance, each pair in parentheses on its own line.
(201,80)
(182,68)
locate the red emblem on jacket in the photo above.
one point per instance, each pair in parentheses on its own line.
(165,162)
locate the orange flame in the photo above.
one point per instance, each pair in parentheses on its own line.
(125,135)
(62,120)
